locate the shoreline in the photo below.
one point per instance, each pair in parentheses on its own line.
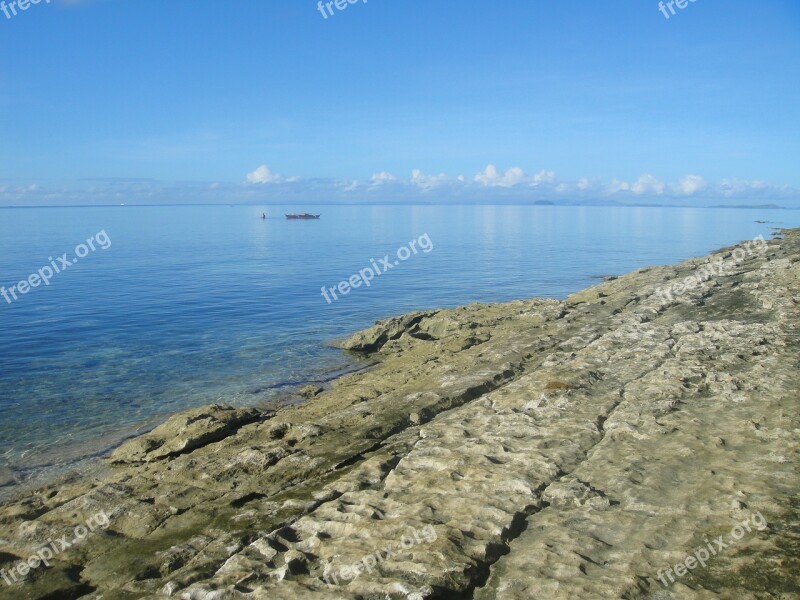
(497,425)
(90,461)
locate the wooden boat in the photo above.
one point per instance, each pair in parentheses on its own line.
(302,216)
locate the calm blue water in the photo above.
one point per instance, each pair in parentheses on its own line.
(192,305)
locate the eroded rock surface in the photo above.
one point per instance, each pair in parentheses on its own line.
(183,433)
(534,449)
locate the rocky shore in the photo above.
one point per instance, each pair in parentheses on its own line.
(637,440)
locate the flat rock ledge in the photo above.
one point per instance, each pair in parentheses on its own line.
(637,440)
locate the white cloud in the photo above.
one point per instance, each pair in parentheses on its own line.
(617,186)
(648,184)
(512,177)
(735,187)
(544,177)
(264,174)
(491,177)
(352,186)
(427,182)
(691,184)
(382,177)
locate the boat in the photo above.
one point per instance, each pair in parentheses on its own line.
(302,216)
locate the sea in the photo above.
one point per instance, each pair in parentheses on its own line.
(150,310)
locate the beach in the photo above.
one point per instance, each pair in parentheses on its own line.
(622,442)
(191,306)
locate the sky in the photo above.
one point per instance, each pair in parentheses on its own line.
(267,101)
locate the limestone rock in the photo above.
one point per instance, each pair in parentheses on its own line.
(183,433)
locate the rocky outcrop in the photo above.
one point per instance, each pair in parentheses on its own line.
(184,433)
(637,440)
(374,338)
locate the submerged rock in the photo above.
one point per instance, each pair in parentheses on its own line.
(6,476)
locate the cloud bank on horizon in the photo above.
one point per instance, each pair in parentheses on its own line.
(514,183)
(489,185)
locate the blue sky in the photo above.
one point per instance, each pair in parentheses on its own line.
(388,100)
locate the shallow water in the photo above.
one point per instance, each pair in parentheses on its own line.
(197,304)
